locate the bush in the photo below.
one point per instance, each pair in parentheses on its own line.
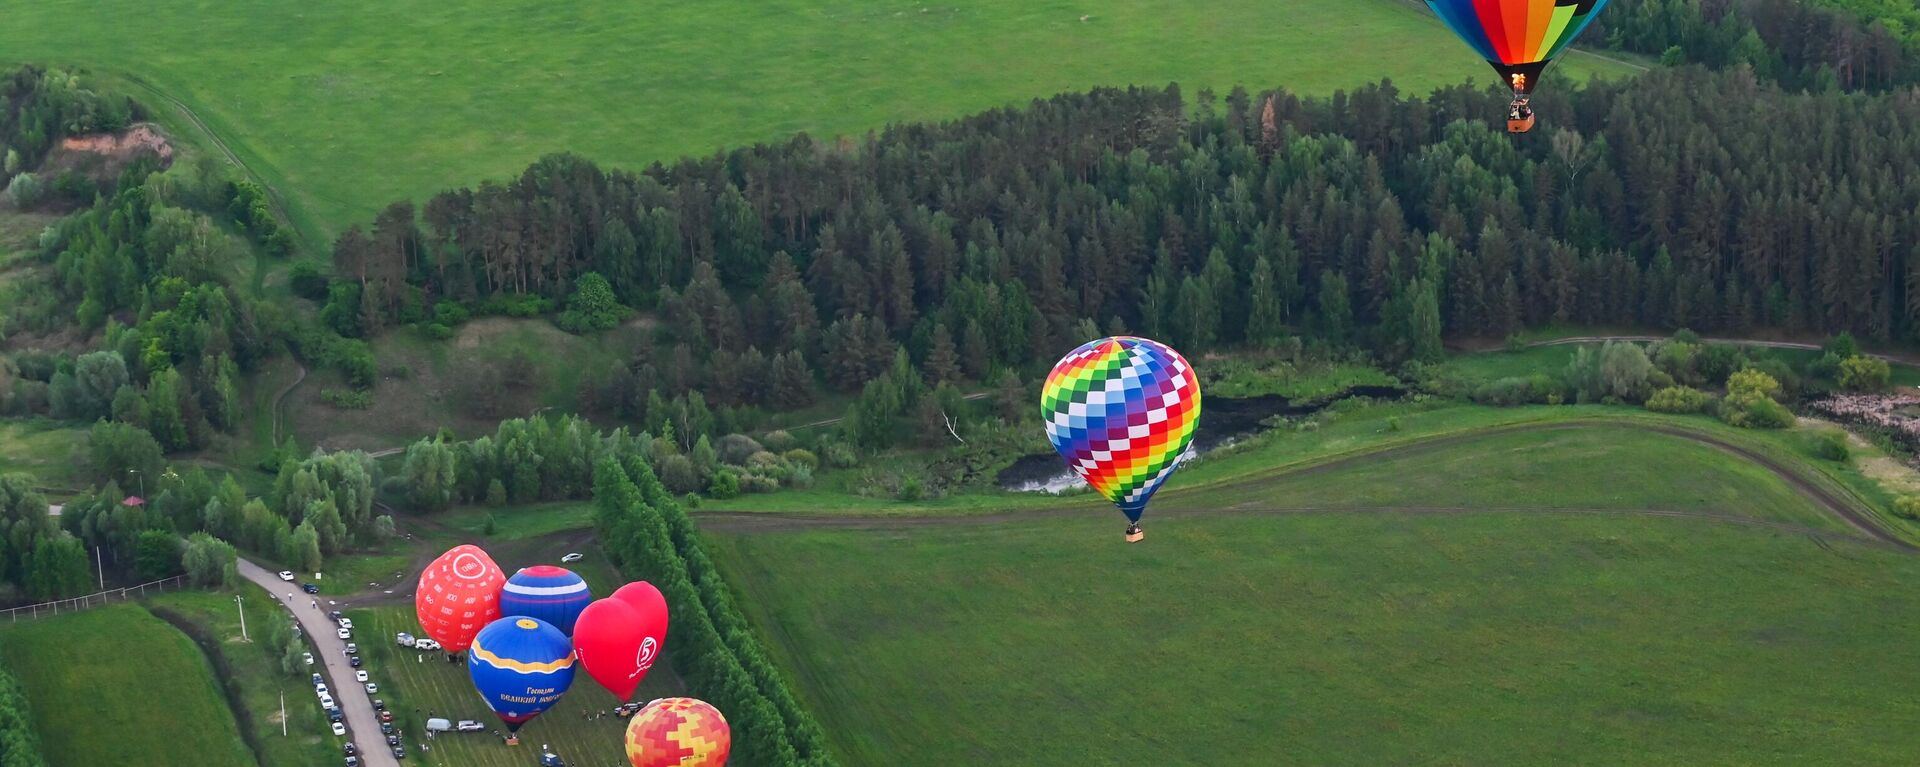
(735,449)
(1907,507)
(1859,373)
(1749,412)
(758,483)
(347,399)
(449,313)
(911,489)
(802,457)
(1831,447)
(307,282)
(725,485)
(778,441)
(839,455)
(678,473)
(1514,391)
(1679,400)
(26,191)
(437,331)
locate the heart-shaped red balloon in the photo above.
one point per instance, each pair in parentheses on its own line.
(618,638)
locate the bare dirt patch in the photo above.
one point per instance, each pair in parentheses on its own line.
(104,155)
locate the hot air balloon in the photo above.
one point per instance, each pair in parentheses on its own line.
(521,666)
(678,732)
(1519,38)
(552,594)
(459,594)
(1122,412)
(620,637)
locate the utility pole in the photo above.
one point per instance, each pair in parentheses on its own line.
(283,713)
(100,568)
(243,618)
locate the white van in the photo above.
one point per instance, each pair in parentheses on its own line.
(425,644)
(439,725)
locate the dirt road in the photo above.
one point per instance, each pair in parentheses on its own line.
(330,650)
(1174,505)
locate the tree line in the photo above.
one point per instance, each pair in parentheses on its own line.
(1819,44)
(712,647)
(19,746)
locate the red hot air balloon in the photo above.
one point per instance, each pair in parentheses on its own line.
(459,594)
(618,638)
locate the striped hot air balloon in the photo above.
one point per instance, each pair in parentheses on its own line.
(520,666)
(1122,412)
(1518,37)
(552,594)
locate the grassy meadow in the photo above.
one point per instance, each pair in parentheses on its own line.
(346,106)
(116,685)
(1347,637)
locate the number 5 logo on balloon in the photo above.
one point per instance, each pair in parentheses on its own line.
(648,648)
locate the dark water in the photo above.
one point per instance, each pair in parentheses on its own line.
(1223,421)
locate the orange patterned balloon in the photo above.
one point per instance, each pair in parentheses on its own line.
(678,732)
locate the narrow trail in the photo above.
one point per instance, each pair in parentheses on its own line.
(280,401)
(1177,505)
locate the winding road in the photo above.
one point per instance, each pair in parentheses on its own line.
(330,650)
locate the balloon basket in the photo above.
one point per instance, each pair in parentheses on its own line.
(1136,536)
(1520,126)
(513,740)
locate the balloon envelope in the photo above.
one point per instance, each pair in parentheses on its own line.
(678,732)
(620,637)
(459,593)
(1122,411)
(552,594)
(1518,37)
(521,666)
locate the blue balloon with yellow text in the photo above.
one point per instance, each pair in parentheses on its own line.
(521,666)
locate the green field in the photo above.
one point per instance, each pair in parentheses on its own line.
(1353,637)
(257,678)
(346,106)
(116,685)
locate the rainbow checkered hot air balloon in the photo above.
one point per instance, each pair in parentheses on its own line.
(1122,411)
(1518,37)
(678,732)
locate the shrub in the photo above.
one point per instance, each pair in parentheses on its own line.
(1750,412)
(1831,447)
(347,399)
(778,441)
(307,282)
(1513,391)
(449,313)
(678,473)
(437,331)
(725,485)
(1679,400)
(802,457)
(911,490)
(735,449)
(839,455)
(1907,507)
(1858,373)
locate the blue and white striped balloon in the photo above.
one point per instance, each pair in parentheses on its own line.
(552,594)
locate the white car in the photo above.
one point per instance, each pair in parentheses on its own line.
(286,575)
(345,623)
(372,688)
(425,644)
(345,633)
(339,729)
(326,701)
(352,648)
(360,674)
(574,557)
(405,639)
(320,689)
(307,657)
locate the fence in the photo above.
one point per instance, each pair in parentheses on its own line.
(76,604)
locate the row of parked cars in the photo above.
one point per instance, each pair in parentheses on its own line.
(343,627)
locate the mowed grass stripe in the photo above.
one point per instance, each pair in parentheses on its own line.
(116,685)
(346,106)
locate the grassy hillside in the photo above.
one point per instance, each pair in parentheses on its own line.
(1357,637)
(116,685)
(345,106)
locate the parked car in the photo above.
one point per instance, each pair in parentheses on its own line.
(317,681)
(469,725)
(334,714)
(399,752)
(345,623)
(286,575)
(386,728)
(307,658)
(403,638)
(310,588)
(352,648)
(379,705)
(344,633)
(372,688)
(326,700)
(551,759)
(353,660)
(339,729)
(425,644)
(319,687)
(353,761)
(360,676)
(393,740)
(349,749)
(573,557)
(334,615)
(386,716)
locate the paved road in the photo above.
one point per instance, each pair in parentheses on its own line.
(349,694)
